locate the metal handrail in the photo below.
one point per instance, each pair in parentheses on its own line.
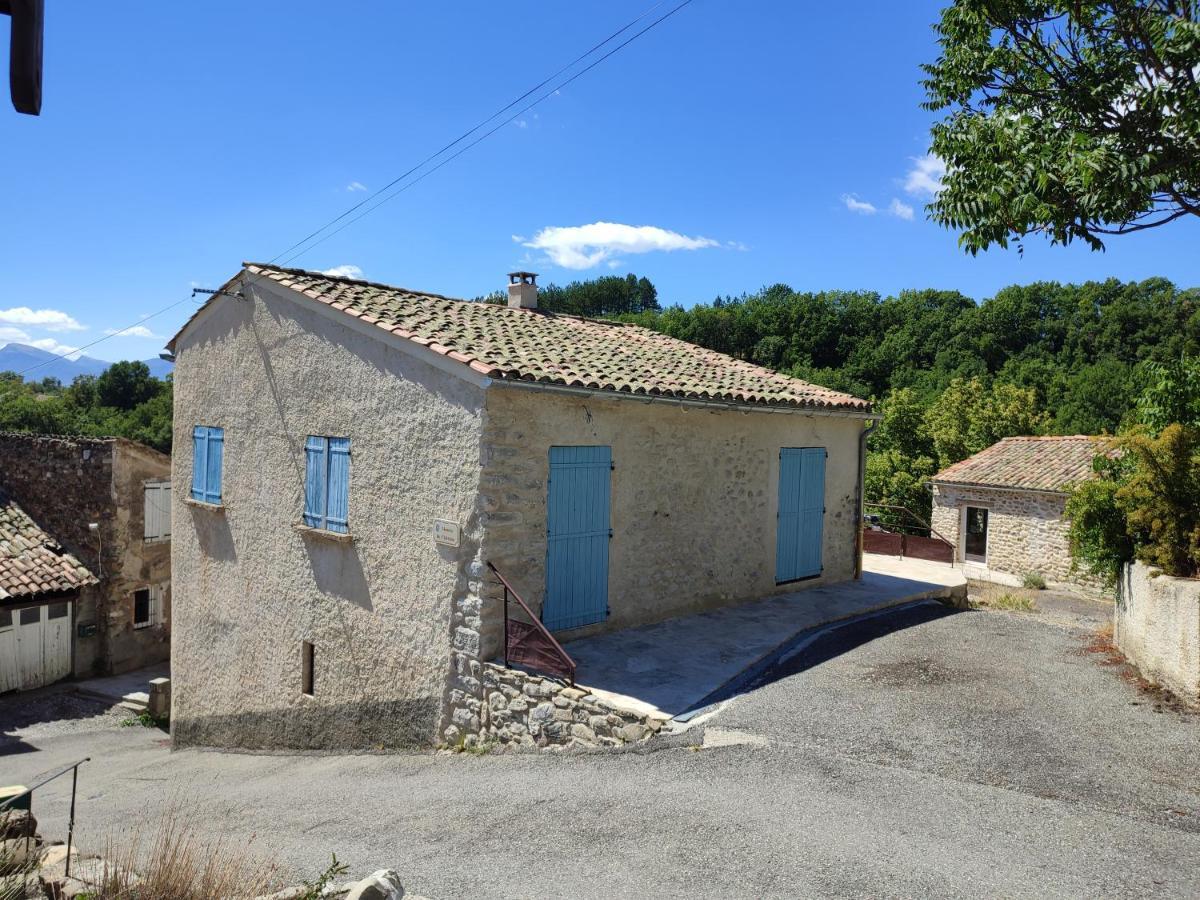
(536,622)
(921,523)
(73,768)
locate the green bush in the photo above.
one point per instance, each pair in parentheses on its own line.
(1034,581)
(1144,505)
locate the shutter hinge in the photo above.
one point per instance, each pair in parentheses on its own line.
(612,465)
(610,534)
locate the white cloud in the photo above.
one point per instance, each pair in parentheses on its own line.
(858,206)
(356,186)
(925,176)
(13,334)
(737,245)
(346,271)
(49,319)
(140,331)
(521,123)
(900,210)
(50,345)
(585,246)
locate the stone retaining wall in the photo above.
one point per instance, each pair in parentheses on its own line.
(1156,624)
(489,704)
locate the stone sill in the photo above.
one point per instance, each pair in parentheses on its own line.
(200,504)
(323,533)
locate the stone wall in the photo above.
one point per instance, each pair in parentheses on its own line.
(693,506)
(489,704)
(1156,624)
(66,483)
(1027,532)
(381,608)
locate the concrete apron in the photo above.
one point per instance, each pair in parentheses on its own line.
(672,669)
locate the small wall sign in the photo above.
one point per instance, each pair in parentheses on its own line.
(445,532)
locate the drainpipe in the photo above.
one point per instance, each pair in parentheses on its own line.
(868,427)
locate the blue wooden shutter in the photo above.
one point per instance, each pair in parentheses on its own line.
(577,526)
(787,534)
(215,459)
(199,464)
(801,513)
(812,511)
(339,485)
(315,467)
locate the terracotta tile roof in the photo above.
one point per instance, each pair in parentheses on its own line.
(31,561)
(1032,463)
(536,345)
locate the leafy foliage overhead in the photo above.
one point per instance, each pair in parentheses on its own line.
(1074,119)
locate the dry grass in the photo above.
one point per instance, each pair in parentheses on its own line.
(174,863)
(995,596)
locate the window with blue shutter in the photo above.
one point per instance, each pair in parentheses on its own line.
(327,483)
(208,445)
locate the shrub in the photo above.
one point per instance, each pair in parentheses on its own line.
(1161,499)
(1034,581)
(1144,505)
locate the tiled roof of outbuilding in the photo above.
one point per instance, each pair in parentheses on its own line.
(31,561)
(1030,463)
(540,346)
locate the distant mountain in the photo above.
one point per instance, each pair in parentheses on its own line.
(19,357)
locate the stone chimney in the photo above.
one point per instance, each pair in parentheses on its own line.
(522,290)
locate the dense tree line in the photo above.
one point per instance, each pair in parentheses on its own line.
(609,295)
(951,375)
(124,401)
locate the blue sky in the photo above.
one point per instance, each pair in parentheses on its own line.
(180,140)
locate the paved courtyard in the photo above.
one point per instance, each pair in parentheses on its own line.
(933,754)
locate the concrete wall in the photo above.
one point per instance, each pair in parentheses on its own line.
(65,483)
(1156,624)
(249,588)
(694,499)
(1026,533)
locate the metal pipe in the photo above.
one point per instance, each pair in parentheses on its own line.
(71,820)
(860,492)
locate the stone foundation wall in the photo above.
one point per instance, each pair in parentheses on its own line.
(1156,624)
(1027,532)
(489,704)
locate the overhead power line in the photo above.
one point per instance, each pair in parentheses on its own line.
(322,234)
(483,136)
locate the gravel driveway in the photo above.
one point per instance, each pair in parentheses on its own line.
(966,754)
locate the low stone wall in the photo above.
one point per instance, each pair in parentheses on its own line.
(489,704)
(1156,624)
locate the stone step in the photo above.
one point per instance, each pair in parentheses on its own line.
(137,701)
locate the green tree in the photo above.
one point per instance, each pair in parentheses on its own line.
(124,385)
(1075,119)
(968,417)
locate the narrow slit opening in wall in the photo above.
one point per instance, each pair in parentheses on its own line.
(306,667)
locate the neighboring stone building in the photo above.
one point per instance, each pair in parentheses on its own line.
(117,618)
(1003,509)
(350,457)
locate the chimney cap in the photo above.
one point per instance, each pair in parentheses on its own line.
(522,277)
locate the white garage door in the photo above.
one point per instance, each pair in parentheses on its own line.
(35,646)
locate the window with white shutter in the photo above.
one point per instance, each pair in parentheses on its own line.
(158,510)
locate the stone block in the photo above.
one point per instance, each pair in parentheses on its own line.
(582,733)
(466,640)
(632,733)
(17,823)
(466,720)
(382,885)
(571,693)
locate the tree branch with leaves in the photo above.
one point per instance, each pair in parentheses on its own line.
(1072,120)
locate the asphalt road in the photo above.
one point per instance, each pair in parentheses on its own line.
(972,754)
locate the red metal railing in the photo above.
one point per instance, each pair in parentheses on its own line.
(531,643)
(896,539)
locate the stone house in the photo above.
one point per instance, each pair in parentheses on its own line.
(350,457)
(1003,509)
(85,537)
